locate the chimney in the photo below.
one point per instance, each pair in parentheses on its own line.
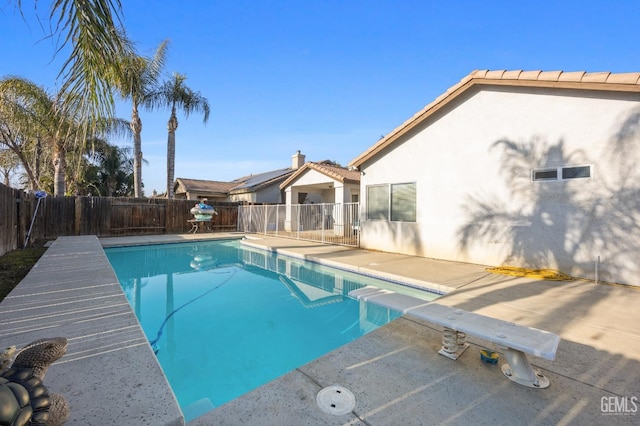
(297,160)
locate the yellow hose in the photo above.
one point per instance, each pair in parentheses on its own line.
(543,274)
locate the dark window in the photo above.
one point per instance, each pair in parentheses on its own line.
(550,174)
(576,172)
(561,173)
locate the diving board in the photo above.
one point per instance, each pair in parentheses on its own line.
(514,341)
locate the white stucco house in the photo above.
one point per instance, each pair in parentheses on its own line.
(525,168)
(323,183)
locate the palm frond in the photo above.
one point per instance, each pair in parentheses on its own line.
(93,29)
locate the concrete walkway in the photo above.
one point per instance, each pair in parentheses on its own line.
(395,372)
(109,374)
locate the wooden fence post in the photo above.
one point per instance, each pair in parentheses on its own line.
(19,200)
(78,216)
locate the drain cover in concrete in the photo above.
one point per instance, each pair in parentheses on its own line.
(336,400)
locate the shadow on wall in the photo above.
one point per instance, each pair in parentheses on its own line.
(566,225)
(404,236)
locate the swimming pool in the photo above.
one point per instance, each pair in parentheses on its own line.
(224,319)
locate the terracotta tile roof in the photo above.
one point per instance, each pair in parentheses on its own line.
(339,174)
(603,81)
(631,79)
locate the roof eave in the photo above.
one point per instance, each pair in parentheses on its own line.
(317,168)
(294,175)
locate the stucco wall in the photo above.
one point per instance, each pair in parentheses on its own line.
(476,201)
(321,189)
(269,194)
(244,197)
(312,177)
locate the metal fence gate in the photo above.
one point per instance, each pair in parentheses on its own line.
(328,223)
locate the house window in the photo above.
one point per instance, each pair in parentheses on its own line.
(561,173)
(395,202)
(403,202)
(378,202)
(576,172)
(545,174)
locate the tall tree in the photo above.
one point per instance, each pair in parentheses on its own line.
(174,94)
(9,162)
(30,113)
(25,120)
(83,160)
(94,31)
(138,80)
(110,170)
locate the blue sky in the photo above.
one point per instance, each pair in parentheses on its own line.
(328,78)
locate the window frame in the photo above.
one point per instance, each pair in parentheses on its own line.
(393,216)
(560,173)
(583,166)
(389,215)
(381,210)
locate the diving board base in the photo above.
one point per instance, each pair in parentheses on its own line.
(518,369)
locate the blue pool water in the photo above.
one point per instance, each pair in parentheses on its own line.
(224,318)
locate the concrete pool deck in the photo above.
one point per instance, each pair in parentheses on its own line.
(395,372)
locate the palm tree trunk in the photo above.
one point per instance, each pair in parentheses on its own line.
(172,125)
(59,167)
(35,177)
(136,128)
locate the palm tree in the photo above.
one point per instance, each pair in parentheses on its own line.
(174,94)
(10,135)
(109,171)
(84,156)
(31,116)
(94,30)
(25,119)
(137,80)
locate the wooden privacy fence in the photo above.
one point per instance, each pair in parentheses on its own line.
(101,216)
(12,203)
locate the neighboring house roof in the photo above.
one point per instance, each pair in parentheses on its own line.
(244,184)
(255,182)
(209,186)
(339,174)
(606,81)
